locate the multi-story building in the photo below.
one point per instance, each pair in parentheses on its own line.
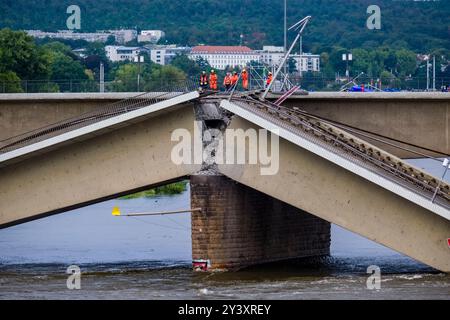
(152,36)
(222,57)
(70,35)
(164,54)
(271,55)
(307,62)
(120,36)
(121,53)
(124,35)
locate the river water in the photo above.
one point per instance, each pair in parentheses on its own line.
(150,258)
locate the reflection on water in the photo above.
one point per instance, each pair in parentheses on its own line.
(150,258)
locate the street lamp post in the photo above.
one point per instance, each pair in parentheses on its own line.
(434,73)
(347,57)
(102,77)
(139,59)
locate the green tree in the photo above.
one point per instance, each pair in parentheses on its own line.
(63,67)
(406,62)
(388,79)
(19,54)
(188,66)
(56,46)
(362,61)
(326,67)
(203,64)
(163,77)
(335,23)
(96,48)
(292,65)
(63,63)
(10,83)
(126,78)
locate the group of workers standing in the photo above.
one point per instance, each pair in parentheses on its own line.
(229,82)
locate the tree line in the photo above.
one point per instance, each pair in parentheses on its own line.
(49,66)
(420,26)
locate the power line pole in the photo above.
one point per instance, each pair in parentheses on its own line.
(300,58)
(102,77)
(139,59)
(301,45)
(434,73)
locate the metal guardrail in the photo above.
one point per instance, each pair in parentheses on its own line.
(307,81)
(352,149)
(83,85)
(112,110)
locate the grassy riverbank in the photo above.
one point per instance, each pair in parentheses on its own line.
(170,189)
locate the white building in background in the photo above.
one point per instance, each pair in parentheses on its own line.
(271,55)
(124,35)
(152,36)
(121,53)
(164,54)
(80,52)
(221,57)
(121,36)
(70,35)
(307,62)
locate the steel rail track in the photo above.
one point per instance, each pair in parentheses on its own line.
(115,109)
(352,148)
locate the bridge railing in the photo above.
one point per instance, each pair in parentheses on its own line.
(308,81)
(164,92)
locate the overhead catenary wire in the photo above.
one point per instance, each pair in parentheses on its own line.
(358,132)
(365,133)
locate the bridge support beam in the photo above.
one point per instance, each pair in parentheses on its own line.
(239,226)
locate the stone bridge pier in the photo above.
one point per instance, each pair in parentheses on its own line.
(239,227)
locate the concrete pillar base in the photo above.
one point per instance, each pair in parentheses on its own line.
(240,227)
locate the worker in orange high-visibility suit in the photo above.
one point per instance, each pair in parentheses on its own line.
(234,79)
(213,80)
(244,76)
(269,79)
(203,81)
(227,82)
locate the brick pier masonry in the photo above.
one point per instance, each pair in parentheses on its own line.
(240,227)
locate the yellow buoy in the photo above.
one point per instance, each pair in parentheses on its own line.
(116,211)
